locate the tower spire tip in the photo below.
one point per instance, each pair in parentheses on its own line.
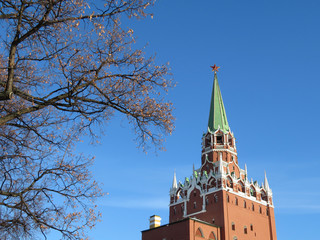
(215,68)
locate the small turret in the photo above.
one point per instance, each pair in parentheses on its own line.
(174,182)
(266,184)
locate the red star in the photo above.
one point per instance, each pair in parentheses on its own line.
(214,68)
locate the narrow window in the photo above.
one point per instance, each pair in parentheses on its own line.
(260,210)
(215,198)
(219,139)
(251,227)
(252,207)
(207,201)
(267,212)
(228,198)
(194,205)
(174,211)
(194,193)
(245,230)
(236,201)
(244,204)
(233,226)
(207,142)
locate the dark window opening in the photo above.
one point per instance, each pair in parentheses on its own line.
(233,226)
(219,139)
(245,230)
(251,227)
(208,143)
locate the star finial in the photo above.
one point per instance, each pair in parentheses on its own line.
(215,68)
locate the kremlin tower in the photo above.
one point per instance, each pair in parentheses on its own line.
(219,201)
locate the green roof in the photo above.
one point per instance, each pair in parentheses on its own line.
(217,117)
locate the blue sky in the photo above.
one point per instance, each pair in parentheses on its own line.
(269,54)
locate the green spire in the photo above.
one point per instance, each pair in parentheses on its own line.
(217,115)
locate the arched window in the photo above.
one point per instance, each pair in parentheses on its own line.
(229,182)
(252,191)
(264,195)
(178,195)
(212,183)
(245,230)
(212,236)
(199,233)
(233,226)
(207,141)
(219,139)
(241,187)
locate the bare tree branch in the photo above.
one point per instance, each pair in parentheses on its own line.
(66,68)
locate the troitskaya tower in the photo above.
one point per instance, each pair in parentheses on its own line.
(218,198)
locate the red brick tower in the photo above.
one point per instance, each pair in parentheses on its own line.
(219,193)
